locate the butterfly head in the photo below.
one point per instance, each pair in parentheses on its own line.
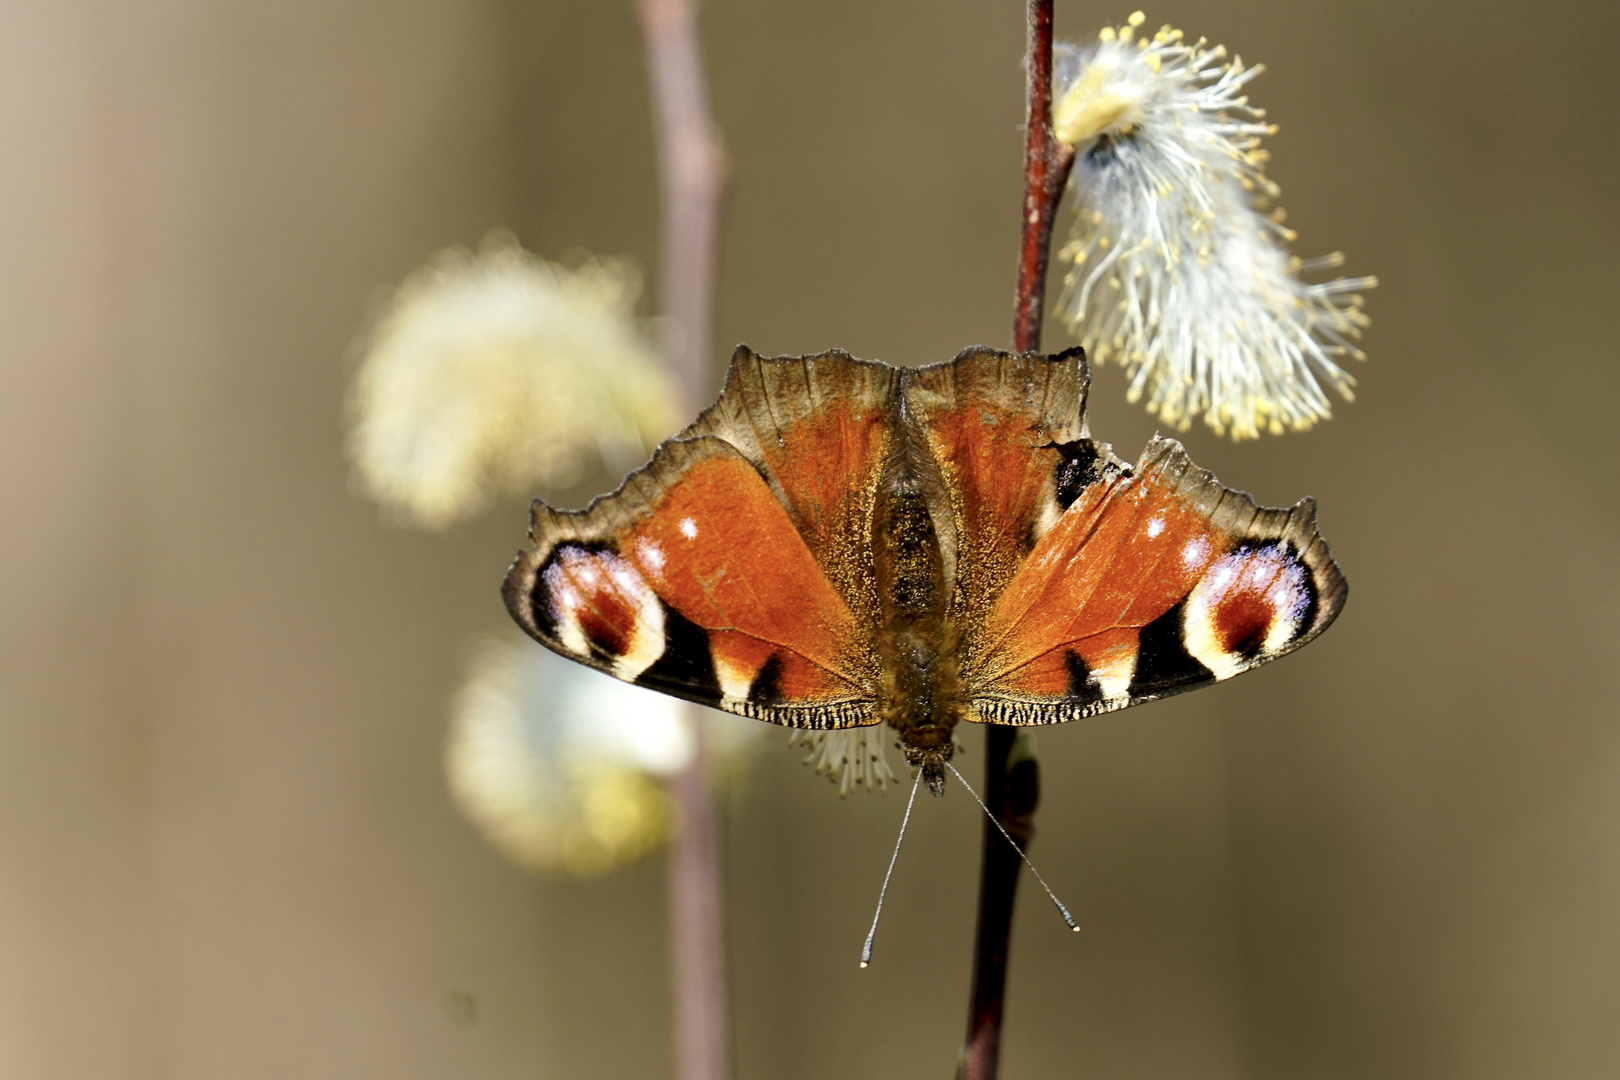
(931,760)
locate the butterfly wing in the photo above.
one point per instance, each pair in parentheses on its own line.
(817,428)
(1008,434)
(1153,581)
(735,569)
(729,569)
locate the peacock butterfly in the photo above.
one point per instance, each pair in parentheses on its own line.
(838,543)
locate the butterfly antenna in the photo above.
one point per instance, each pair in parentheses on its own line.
(1065,911)
(866,950)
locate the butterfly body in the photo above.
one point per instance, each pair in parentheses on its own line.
(837,543)
(920,690)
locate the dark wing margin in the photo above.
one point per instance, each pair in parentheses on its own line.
(1153,583)
(691,579)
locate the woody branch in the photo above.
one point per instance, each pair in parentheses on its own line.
(1046,169)
(1012,777)
(693,172)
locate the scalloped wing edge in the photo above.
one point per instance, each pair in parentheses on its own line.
(600,522)
(1236,512)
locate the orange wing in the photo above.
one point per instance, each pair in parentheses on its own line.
(1152,582)
(734,568)
(692,580)
(817,429)
(1008,434)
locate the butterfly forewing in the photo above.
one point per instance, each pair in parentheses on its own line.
(1150,583)
(693,580)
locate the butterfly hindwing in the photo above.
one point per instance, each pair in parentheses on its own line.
(1005,430)
(818,429)
(692,579)
(1152,582)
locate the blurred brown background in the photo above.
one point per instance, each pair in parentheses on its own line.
(225,844)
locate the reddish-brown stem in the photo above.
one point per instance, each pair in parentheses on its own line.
(1012,780)
(1046,169)
(1011,791)
(693,170)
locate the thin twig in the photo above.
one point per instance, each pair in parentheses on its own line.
(693,167)
(697,947)
(693,171)
(1012,782)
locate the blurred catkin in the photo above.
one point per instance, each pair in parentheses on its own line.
(496,373)
(564,769)
(559,766)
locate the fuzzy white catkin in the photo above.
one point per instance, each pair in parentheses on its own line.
(564,769)
(560,767)
(1176,269)
(849,757)
(497,372)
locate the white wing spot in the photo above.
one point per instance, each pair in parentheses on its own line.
(1113,674)
(1155,527)
(651,556)
(735,680)
(689,528)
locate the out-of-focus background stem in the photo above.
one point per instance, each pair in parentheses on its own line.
(697,929)
(692,165)
(692,168)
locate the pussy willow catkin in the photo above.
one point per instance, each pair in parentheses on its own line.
(1178,268)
